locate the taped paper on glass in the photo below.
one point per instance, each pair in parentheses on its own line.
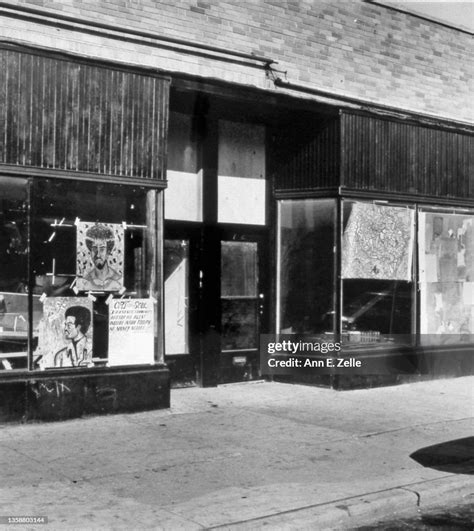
(65,333)
(378,243)
(131,332)
(99,256)
(446,262)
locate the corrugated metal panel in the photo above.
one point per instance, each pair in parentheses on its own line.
(67,115)
(306,158)
(380,154)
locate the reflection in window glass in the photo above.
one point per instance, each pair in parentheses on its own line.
(176,260)
(446,269)
(374,309)
(239,324)
(239,276)
(89,248)
(306,266)
(13,274)
(377,252)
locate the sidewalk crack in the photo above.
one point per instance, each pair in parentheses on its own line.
(403,428)
(43,464)
(417,494)
(202,526)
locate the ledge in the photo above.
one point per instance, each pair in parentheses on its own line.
(65,394)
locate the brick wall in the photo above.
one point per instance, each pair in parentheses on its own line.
(346,47)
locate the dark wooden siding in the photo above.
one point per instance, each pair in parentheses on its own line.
(385,155)
(67,115)
(306,156)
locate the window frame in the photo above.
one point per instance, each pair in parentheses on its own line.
(413,203)
(152,195)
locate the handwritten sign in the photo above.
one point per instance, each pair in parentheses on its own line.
(131,332)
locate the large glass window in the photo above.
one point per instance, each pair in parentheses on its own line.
(13,274)
(305,297)
(446,275)
(377,272)
(92,252)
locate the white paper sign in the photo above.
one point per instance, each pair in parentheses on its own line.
(131,332)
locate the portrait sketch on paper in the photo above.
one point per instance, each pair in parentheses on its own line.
(99,256)
(65,333)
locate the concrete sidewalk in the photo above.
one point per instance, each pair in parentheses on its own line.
(246,456)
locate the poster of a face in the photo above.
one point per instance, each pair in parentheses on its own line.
(99,256)
(65,333)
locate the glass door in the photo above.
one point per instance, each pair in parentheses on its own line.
(242,307)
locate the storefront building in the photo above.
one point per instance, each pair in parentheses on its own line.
(390,258)
(81,228)
(181,177)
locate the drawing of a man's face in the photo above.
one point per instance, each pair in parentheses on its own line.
(99,253)
(77,322)
(71,329)
(100,242)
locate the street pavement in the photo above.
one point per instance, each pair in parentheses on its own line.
(447,518)
(247,456)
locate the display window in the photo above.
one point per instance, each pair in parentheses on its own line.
(377,272)
(306,266)
(14,324)
(89,273)
(446,275)
(389,293)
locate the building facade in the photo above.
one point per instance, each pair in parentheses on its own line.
(179,178)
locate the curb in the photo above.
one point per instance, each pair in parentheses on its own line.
(403,501)
(443,491)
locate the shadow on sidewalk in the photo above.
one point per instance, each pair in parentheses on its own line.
(455,456)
